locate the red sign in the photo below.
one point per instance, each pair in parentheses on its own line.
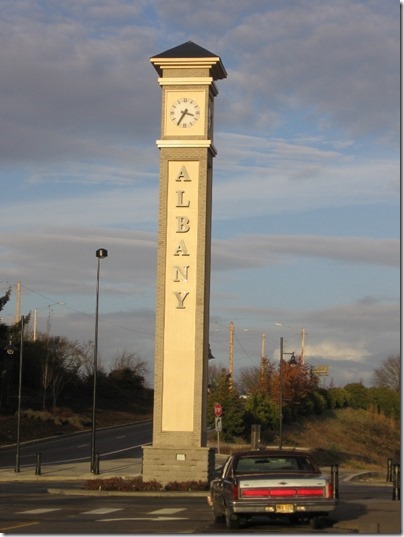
(218,410)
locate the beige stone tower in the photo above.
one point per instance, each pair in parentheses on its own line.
(187,75)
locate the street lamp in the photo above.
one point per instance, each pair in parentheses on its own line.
(292,363)
(101,253)
(8,352)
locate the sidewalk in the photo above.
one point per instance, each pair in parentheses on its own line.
(75,471)
(357,516)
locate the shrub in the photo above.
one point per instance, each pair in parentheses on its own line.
(137,484)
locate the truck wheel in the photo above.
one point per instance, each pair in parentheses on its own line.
(232,521)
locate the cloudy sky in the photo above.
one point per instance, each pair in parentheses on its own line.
(306,196)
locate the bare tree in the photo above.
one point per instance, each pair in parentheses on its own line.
(129,360)
(388,375)
(87,359)
(249,380)
(62,363)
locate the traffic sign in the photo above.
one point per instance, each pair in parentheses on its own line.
(218,410)
(320,370)
(218,424)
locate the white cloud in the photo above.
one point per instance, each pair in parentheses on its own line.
(333,350)
(306,182)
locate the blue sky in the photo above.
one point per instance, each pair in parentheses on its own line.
(306,190)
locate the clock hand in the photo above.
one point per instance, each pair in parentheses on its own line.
(184,113)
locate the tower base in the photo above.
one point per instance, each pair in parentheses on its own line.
(178,464)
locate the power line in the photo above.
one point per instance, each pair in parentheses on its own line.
(87,315)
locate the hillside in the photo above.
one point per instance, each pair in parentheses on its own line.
(351,438)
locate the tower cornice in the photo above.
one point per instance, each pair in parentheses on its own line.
(189,56)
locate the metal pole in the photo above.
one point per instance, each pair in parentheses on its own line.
(38,464)
(335,481)
(396,482)
(17,455)
(280,393)
(389,476)
(100,254)
(97,464)
(95,366)
(231,351)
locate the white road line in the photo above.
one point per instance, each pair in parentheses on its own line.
(101,511)
(167,511)
(152,519)
(38,511)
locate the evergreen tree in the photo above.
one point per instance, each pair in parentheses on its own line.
(233,407)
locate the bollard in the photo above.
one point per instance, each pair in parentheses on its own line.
(97,464)
(38,464)
(396,482)
(335,481)
(389,476)
(255,436)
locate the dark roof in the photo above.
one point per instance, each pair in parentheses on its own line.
(190,53)
(187,50)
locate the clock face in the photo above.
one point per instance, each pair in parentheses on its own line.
(184,112)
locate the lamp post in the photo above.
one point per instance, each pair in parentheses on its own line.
(17,455)
(292,362)
(8,351)
(101,253)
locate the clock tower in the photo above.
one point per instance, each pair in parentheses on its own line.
(179,452)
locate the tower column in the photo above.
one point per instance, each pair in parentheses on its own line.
(179,451)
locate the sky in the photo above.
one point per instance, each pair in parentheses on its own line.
(306,182)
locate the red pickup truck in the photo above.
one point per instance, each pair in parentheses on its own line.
(273,483)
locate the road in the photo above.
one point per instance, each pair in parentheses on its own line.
(28,508)
(49,514)
(38,513)
(111,443)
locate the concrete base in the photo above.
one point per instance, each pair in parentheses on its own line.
(178,464)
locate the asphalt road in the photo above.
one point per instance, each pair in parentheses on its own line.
(111,443)
(43,514)
(27,507)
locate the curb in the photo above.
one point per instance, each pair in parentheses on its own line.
(129,493)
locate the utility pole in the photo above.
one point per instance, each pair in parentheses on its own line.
(231,347)
(263,360)
(280,393)
(262,348)
(303,334)
(35,321)
(18,310)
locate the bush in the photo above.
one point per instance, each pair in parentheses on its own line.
(137,484)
